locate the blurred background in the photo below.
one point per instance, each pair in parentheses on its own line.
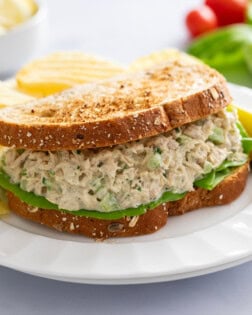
(125,30)
(120,30)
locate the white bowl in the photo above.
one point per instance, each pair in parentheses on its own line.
(23,41)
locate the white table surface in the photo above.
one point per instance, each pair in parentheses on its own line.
(123,30)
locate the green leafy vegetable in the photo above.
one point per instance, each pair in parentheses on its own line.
(227,164)
(247,50)
(212,179)
(247,145)
(228,50)
(242,130)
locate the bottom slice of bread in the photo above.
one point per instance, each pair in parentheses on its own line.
(227,191)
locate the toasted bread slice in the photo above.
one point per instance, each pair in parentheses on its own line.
(120,110)
(227,191)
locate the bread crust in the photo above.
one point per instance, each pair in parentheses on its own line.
(116,111)
(227,191)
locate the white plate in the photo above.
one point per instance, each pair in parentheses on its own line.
(197,243)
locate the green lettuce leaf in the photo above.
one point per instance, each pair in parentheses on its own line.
(247,145)
(242,130)
(230,164)
(212,179)
(227,49)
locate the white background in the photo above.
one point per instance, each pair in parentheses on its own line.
(123,30)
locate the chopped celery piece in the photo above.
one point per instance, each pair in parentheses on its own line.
(207,167)
(154,161)
(217,136)
(183,139)
(109,203)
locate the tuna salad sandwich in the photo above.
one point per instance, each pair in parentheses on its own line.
(116,158)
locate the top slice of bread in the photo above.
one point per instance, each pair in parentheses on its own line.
(119,110)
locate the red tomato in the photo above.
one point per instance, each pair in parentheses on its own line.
(201,20)
(229,11)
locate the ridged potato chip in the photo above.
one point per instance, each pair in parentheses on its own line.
(153,59)
(9,96)
(63,70)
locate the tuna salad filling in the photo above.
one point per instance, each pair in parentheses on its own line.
(128,175)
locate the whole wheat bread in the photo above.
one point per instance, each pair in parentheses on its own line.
(227,191)
(119,110)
